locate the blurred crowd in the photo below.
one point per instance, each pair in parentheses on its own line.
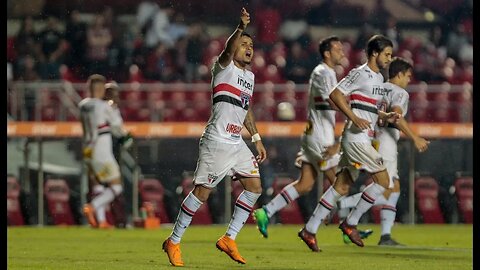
(164,45)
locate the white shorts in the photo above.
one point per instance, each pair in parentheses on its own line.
(358,156)
(104,170)
(316,159)
(103,162)
(217,159)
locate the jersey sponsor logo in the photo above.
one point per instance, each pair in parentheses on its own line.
(244,83)
(245,99)
(233,129)
(378,90)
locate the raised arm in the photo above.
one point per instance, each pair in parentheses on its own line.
(226,56)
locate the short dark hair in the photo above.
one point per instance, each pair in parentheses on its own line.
(95,78)
(246,34)
(326,44)
(398,65)
(378,43)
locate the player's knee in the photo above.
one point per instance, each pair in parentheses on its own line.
(255,189)
(304,186)
(117,189)
(202,193)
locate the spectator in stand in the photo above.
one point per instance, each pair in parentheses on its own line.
(298,64)
(99,39)
(53,46)
(267,23)
(196,39)
(76,36)
(26,46)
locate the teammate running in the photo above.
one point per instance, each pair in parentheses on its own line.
(386,139)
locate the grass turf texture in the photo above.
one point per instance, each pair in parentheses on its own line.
(427,247)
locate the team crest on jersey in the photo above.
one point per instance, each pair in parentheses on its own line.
(245,99)
(212,178)
(379,161)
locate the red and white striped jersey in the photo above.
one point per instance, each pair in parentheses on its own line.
(232,93)
(365,88)
(387,134)
(321,116)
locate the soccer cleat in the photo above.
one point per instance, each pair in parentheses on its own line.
(261,217)
(363,234)
(387,240)
(89,213)
(228,245)
(173,252)
(352,233)
(309,239)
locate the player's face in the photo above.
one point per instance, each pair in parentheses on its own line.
(336,52)
(384,58)
(405,78)
(99,88)
(244,52)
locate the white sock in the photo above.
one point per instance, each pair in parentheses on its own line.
(100,202)
(100,214)
(388,212)
(188,209)
(324,207)
(286,196)
(243,207)
(350,201)
(369,195)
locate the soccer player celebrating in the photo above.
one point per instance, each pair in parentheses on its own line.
(222,150)
(386,139)
(364,85)
(99,121)
(318,152)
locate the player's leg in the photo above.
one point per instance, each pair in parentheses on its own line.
(324,207)
(95,189)
(243,207)
(388,213)
(364,156)
(246,170)
(212,160)
(288,194)
(108,173)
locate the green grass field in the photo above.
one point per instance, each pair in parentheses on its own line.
(428,247)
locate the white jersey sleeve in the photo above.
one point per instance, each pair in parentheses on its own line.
(350,83)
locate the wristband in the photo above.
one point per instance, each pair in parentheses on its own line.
(256,137)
